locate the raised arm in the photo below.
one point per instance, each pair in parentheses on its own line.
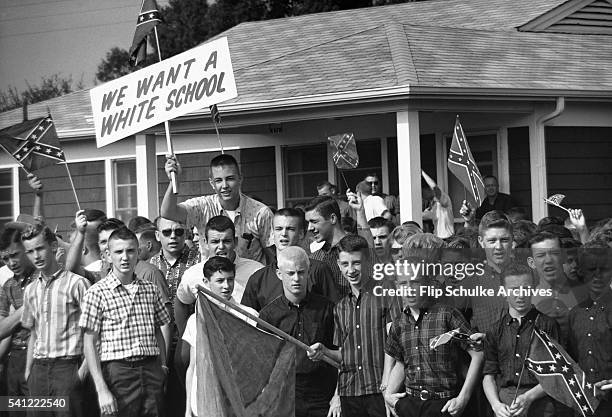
(170,208)
(36,185)
(73,257)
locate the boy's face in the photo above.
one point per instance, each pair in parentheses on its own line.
(382,241)
(225,180)
(40,253)
(294,274)
(412,283)
(521,303)
(287,231)
(221,243)
(15,258)
(322,229)
(172,235)
(123,255)
(547,259)
(103,242)
(396,251)
(497,243)
(570,267)
(596,270)
(353,267)
(221,283)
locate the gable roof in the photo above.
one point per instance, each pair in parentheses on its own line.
(435,45)
(575,16)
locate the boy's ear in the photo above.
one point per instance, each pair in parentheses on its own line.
(531,262)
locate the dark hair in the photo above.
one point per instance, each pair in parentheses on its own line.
(38,229)
(490,176)
(110,224)
(376,222)
(561,231)
(494,219)
(325,206)
(8,237)
(122,233)
(516,214)
(403,232)
(349,225)
(550,220)
(423,246)
(137,222)
(542,236)
(523,231)
(292,212)
(224,160)
(570,243)
(372,174)
(354,243)
(514,269)
(458,242)
(322,184)
(93,215)
(147,234)
(220,224)
(216,264)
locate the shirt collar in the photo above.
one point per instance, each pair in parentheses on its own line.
(184,253)
(53,276)
(112,282)
(604,300)
(289,304)
(241,204)
(530,316)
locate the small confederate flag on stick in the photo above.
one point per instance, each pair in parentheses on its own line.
(346,156)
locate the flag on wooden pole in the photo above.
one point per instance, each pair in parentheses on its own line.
(148,18)
(462,164)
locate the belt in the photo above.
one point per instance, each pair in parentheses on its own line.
(425,394)
(74,358)
(135,361)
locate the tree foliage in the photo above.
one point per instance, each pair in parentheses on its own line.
(50,86)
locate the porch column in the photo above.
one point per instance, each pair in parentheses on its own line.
(146,176)
(409,165)
(537,162)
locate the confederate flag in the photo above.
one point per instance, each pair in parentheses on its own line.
(148,18)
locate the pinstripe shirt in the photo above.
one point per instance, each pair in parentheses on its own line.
(408,342)
(174,272)
(126,323)
(51,309)
(360,330)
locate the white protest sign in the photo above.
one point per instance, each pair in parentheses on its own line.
(190,81)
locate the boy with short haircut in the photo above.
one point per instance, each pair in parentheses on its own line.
(51,310)
(361,320)
(506,347)
(219,273)
(431,378)
(123,342)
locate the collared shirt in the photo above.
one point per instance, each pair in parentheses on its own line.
(150,273)
(329,254)
(187,290)
(264,285)
(52,308)
(174,272)
(360,330)
(253,223)
(408,342)
(507,344)
(590,341)
(310,321)
(11,295)
(125,323)
(486,310)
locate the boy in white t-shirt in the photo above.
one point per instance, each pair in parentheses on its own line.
(219,273)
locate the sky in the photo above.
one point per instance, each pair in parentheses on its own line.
(70,37)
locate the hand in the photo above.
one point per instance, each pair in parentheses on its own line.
(520,405)
(172,165)
(501,410)
(316,352)
(455,406)
(391,400)
(35,183)
(82,372)
(27,373)
(334,407)
(466,211)
(577,218)
(355,200)
(603,387)
(477,340)
(80,221)
(108,404)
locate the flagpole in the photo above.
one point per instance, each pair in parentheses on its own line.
(218,136)
(166,123)
(265,325)
(72,184)
(518,384)
(557,205)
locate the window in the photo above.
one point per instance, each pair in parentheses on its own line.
(126,205)
(6,196)
(369,163)
(305,166)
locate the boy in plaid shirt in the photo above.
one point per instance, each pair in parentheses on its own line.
(123,343)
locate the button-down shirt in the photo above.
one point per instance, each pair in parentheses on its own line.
(360,330)
(507,344)
(253,223)
(125,323)
(52,308)
(408,342)
(187,290)
(11,295)
(264,285)
(174,272)
(486,310)
(590,341)
(329,254)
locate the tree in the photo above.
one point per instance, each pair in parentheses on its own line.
(51,86)
(115,65)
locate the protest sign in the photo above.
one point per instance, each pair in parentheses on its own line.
(192,80)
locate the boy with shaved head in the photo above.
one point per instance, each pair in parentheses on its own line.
(309,318)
